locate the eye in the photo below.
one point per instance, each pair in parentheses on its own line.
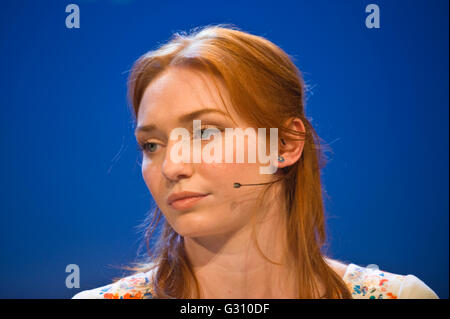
(148,147)
(206,132)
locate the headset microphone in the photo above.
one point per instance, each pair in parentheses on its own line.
(237,185)
(280,159)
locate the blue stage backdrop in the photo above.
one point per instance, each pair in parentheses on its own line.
(71,190)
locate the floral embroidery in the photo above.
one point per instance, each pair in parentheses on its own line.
(133,287)
(371,284)
(363,283)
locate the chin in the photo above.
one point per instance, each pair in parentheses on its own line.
(195,232)
(194,224)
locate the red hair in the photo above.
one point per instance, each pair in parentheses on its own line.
(266,89)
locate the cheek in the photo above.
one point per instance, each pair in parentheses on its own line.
(222,176)
(235,169)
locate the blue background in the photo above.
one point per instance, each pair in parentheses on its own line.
(71,189)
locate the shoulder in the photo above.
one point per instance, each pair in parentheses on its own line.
(137,286)
(372,283)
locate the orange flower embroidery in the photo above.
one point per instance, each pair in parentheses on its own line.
(391,295)
(138,295)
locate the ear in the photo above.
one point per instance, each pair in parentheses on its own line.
(292,148)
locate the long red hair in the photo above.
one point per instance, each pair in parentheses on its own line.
(266,89)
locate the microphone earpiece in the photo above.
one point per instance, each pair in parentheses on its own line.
(237,185)
(280,159)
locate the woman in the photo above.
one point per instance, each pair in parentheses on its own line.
(221,239)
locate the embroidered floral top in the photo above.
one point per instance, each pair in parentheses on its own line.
(363,282)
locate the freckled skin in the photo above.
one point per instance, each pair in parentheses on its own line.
(216,230)
(180,91)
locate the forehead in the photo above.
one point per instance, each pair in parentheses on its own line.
(178,91)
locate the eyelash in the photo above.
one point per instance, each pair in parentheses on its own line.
(142,147)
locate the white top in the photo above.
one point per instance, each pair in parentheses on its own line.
(363,283)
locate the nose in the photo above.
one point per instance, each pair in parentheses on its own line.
(174,169)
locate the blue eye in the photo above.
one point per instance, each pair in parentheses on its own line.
(208,132)
(198,133)
(147,147)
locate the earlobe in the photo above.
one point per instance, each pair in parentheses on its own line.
(292,149)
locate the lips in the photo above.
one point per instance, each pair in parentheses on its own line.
(187,202)
(184,196)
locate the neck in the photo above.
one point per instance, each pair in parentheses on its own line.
(229,265)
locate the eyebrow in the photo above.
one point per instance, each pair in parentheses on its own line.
(182,119)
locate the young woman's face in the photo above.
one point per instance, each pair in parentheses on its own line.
(172,95)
